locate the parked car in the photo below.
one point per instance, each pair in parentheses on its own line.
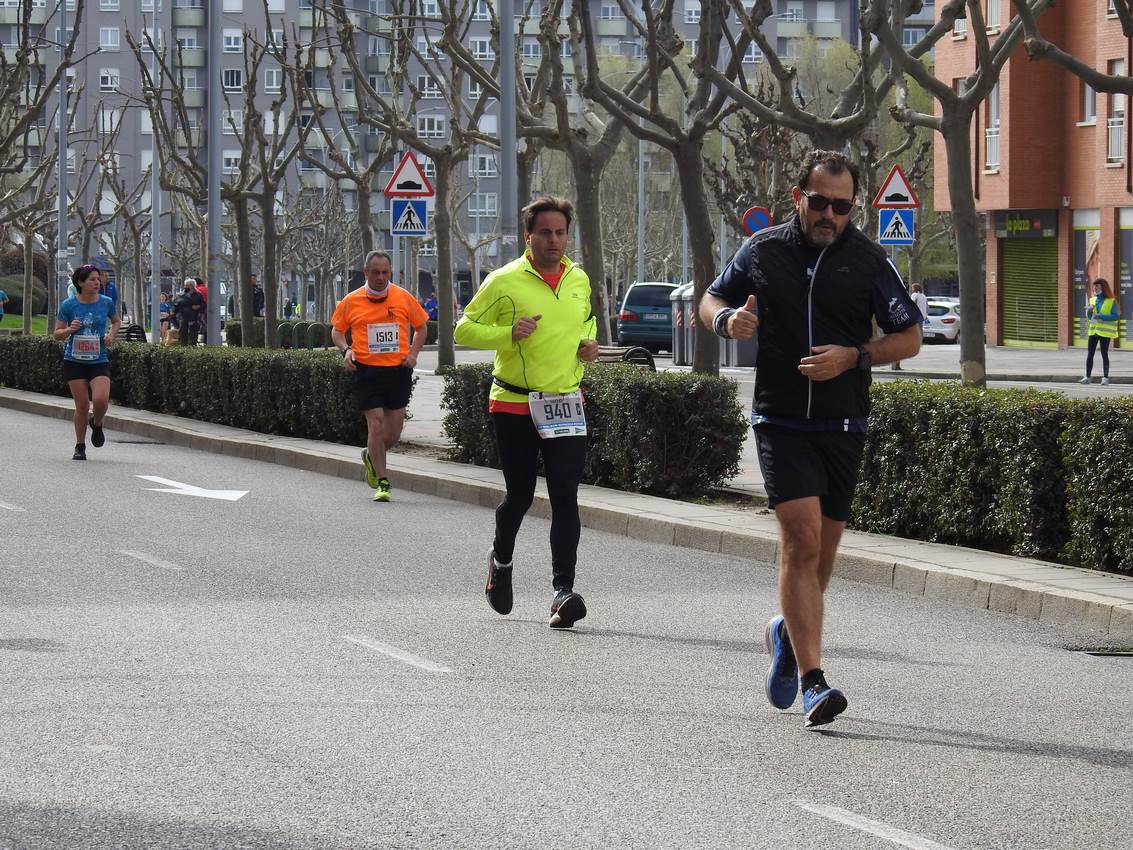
(646,317)
(943,320)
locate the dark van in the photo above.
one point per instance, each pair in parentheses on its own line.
(646,317)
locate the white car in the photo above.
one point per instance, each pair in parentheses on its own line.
(942,321)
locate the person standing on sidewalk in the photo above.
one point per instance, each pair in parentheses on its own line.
(88,322)
(1102,314)
(810,288)
(379,315)
(535,314)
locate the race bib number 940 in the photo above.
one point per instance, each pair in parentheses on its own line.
(558,414)
(383,338)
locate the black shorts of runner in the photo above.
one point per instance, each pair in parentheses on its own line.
(387,387)
(75,371)
(797,464)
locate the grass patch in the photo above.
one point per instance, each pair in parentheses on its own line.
(15,321)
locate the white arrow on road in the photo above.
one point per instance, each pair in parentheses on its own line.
(191,490)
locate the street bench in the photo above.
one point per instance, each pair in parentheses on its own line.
(627,354)
(133,333)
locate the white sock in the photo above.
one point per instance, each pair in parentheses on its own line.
(496,561)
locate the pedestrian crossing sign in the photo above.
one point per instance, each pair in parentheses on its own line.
(407,217)
(896,226)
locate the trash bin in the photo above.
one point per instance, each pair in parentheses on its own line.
(688,303)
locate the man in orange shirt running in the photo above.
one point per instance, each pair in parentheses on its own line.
(379,315)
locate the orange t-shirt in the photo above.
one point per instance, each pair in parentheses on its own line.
(379,329)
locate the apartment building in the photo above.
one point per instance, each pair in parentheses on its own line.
(1053,174)
(109,82)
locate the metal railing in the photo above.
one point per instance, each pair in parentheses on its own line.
(991,147)
(1115,147)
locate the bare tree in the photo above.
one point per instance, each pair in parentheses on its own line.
(956,106)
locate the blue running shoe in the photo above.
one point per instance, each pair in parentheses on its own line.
(783,675)
(822,703)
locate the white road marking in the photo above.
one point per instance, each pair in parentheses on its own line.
(873,827)
(191,490)
(153,562)
(398,654)
(15,508)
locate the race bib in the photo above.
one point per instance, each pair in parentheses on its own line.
(558,414)
(86,346)
(383,338)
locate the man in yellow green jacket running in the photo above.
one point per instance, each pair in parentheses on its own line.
(535,314)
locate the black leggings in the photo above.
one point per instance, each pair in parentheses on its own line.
(1094,338)
(563,460)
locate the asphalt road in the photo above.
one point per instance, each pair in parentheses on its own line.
(302,668)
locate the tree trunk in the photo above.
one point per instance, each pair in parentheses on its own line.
(138,313)
(956,131)
(365,221)
(442,225)
(270,270)
(245,300)
(588,218)
(52,283)
(413,265)
(88,234)
(29,267)
(690,172)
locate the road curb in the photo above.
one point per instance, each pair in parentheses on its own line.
(960,576)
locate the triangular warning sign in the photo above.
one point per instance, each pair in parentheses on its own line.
(409,221)
(896,193)
(896,231)
(409,180)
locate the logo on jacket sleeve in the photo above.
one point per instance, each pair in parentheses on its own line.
(898,312)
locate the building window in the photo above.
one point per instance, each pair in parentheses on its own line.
(230,162)
(233,79)
(690,46)
(233,41)
(232,121)
(484,165)
(532,50)
(234,6)
(825,11)
(109,79)
(482,48)
(109,38)
(911,35)
(482,205)
(108,120)
(146,127)
(991,134)
(752,54)
(960,28)
(273,80)
(475,90)
(992,20)
(189,78)
(430,8)
(692,11)
(187,40)
(611,13)
(431,126)
(482,13)
(72,160)
(1115,123)
(428,86)
(347,81)
(107,5)
(1089,104)
(794,12)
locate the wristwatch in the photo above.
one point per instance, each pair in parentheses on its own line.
(865,359)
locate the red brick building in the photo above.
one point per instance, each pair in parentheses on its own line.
(1053,173)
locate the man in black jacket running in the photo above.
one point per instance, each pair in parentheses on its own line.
(810,289)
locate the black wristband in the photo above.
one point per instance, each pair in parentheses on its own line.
(720,322)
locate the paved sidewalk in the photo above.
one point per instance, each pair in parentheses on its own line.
(1027,588)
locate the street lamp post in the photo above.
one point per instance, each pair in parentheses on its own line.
(61,166)
(215,166)
(509,206)
(155,206)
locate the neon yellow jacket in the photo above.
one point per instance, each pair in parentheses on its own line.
(546,361)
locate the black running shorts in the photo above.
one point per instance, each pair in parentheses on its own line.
(73,370)
(387,387)
(797,464)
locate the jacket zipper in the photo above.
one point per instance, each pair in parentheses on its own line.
(810,324)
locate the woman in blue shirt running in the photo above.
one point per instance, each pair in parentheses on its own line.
(89,323)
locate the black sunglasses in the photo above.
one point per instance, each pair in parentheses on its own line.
(820,202)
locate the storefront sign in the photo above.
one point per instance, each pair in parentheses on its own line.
(1026,224)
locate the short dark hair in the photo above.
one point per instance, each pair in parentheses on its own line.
(546,203)
(199,281)
(831,162)
(82,273)
(379,254)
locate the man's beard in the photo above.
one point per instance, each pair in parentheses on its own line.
(821,236)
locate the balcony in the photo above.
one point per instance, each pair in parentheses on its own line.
(824,29)
(1115,145)
(13,15)
(347,184)
(612,27)
(792,28)
(991,148)
(373,145)
(312,179)
(379,23)
(195,98)
(189,17)
(9,51)
(377,64)
(192,57)
(323,58)
(193,138)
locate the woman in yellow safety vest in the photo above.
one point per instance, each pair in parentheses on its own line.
(1101,312)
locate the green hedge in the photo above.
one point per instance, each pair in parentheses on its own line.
(294,393)
(666,433)
(1018,471)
